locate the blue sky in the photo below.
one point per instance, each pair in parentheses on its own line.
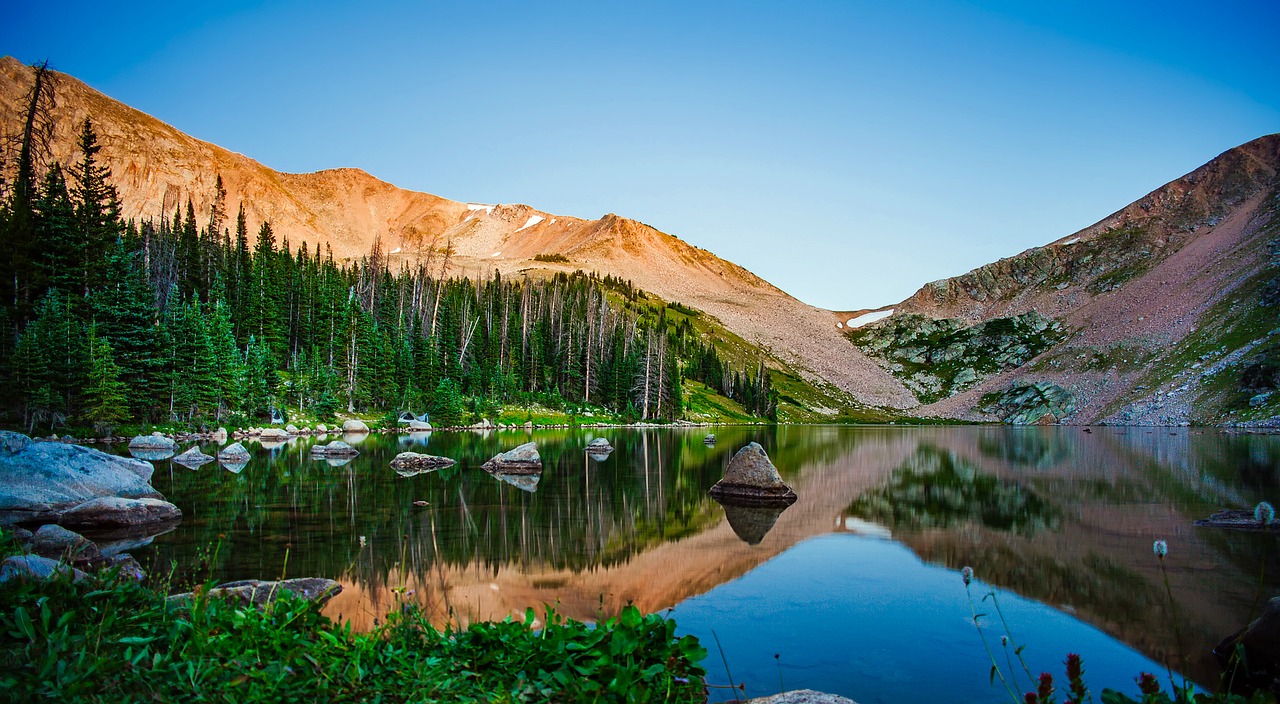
(848,152)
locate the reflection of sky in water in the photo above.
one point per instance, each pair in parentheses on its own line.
(865,618)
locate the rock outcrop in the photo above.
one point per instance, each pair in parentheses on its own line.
(40,480)
(752,480)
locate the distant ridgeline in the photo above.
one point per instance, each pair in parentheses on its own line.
(178,321)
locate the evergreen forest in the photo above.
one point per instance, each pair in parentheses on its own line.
(199,319)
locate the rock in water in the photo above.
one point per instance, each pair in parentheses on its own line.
(193,458)
(710,439)
(114,511)
(40,480)
(354,426)
(337,448)
(254,592)
(61,544)
(234,454)
(152,442)
(520,460)
(406,461)
(322,428)
(752,480)
(599,445)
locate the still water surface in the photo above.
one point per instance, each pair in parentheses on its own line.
(855,589)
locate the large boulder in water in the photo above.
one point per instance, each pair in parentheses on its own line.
(354,426)
(520,460)
(119,512)
(39,480)
(752,480)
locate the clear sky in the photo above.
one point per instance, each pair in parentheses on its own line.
(848,152)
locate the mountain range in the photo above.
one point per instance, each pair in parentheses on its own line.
(1162,313)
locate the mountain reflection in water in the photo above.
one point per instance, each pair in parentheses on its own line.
(1056,515)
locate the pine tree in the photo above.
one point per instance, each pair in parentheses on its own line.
(97,207)
(106,400)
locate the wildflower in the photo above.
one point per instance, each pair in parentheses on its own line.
(1075,676)
(1264,513)
(1148,684)
(1160,548)
(1045,690)
(967,575)
(362,541)
(1031,698)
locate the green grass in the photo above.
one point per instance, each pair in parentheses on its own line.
(704,404)
(106,639)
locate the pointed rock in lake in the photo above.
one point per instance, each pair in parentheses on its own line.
(234,454)
(752,480)
(335,449)
(193,458)
(520,460)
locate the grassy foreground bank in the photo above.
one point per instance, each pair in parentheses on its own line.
(108,639)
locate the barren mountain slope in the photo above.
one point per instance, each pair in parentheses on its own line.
(1163,313)
(157,169)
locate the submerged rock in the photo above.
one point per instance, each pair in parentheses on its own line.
(193,457)
(520,460)
(259,593)
(415,463)
(354,426)
(116,511)
(335,449)
(234,454)
(39,480)
(752,480)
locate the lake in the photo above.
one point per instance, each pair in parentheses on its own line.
(855,589)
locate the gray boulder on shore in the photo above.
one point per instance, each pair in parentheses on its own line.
(752,480)
(39,480)
(56,542)
(354,426)
(519,460)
